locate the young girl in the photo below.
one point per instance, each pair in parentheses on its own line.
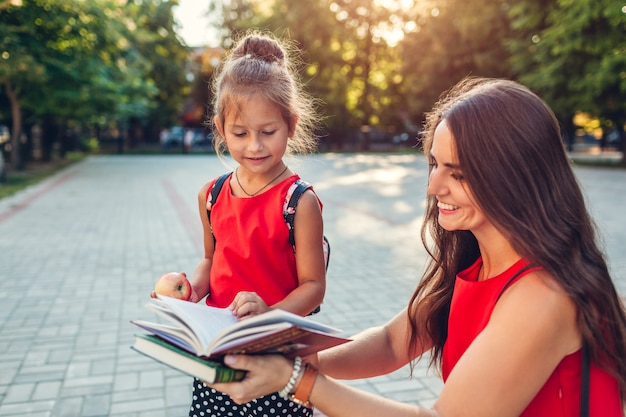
(249,266)
(516,292)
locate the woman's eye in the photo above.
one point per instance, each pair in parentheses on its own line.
(239,134)
(269,133)
(458,177)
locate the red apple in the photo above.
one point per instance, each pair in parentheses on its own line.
(174,284)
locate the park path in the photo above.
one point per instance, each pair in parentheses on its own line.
(80,252)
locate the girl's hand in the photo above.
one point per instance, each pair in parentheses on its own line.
(195,297)
(266,374)
(248,304)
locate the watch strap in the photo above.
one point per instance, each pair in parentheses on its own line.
(303,392)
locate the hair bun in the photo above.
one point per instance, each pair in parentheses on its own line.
(260,48)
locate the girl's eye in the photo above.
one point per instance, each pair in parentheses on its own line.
(458,177)
(239,134)
(270,133)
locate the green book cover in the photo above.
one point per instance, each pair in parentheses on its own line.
(205,369)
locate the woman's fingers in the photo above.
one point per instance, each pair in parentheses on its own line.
(266,374)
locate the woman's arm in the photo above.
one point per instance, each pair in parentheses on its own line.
(532,328)
(334,399)
(375,351)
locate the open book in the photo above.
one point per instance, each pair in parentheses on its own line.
(211,333)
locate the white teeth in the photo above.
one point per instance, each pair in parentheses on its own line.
(446,206)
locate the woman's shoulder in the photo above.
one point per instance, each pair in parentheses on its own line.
(539,298)
(543,282)
(539,287)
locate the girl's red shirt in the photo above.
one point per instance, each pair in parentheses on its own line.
(252,249)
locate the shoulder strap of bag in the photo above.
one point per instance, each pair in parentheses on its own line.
(291,203)
(584,382)
(513,278)
(215,192)
(289,212)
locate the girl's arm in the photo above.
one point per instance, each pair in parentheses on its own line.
(310,265)
(200,279)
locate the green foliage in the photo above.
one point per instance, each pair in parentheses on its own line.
(347,63)
(574,54)
(97,62)
(158,44)
(452,40)
(369,62)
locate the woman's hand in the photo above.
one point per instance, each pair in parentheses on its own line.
(248,304)
(266,374)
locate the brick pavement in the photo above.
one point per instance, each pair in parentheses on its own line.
(80,252)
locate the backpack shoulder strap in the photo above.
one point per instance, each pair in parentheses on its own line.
(289,211)
(514,277)
(214,192)
(291,202)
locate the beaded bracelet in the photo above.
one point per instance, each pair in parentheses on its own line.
(297,365)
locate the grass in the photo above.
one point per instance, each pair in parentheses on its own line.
(36,172)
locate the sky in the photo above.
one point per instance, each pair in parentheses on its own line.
(190,14)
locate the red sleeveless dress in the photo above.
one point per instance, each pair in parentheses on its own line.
(560,396)
(252,249)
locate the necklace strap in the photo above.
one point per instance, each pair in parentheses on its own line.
(260,189)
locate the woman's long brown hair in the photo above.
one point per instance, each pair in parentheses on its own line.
(511,153)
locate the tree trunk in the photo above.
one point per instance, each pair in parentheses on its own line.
(622,140)
(49,134)
(17,161)
(568,133)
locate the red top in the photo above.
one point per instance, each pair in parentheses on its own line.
(252,249)
(560,396)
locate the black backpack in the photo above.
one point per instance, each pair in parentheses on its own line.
(289,211)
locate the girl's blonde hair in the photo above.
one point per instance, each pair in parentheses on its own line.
(259,64)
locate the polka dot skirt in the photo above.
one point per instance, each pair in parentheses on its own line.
(207,402)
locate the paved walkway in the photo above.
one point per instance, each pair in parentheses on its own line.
(80,252)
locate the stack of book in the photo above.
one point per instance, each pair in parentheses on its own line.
(196,337)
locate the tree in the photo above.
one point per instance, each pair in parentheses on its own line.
(451,40)
(77,63)
(349,63)
(156,41)
(573,53)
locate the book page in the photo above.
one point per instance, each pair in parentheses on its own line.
(210,326)
(278,316)
(175,335)
(204,322)
(244,335)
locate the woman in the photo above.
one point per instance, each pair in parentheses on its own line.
(515,288)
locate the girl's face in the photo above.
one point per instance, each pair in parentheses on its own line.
(256,135)
(457,207)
